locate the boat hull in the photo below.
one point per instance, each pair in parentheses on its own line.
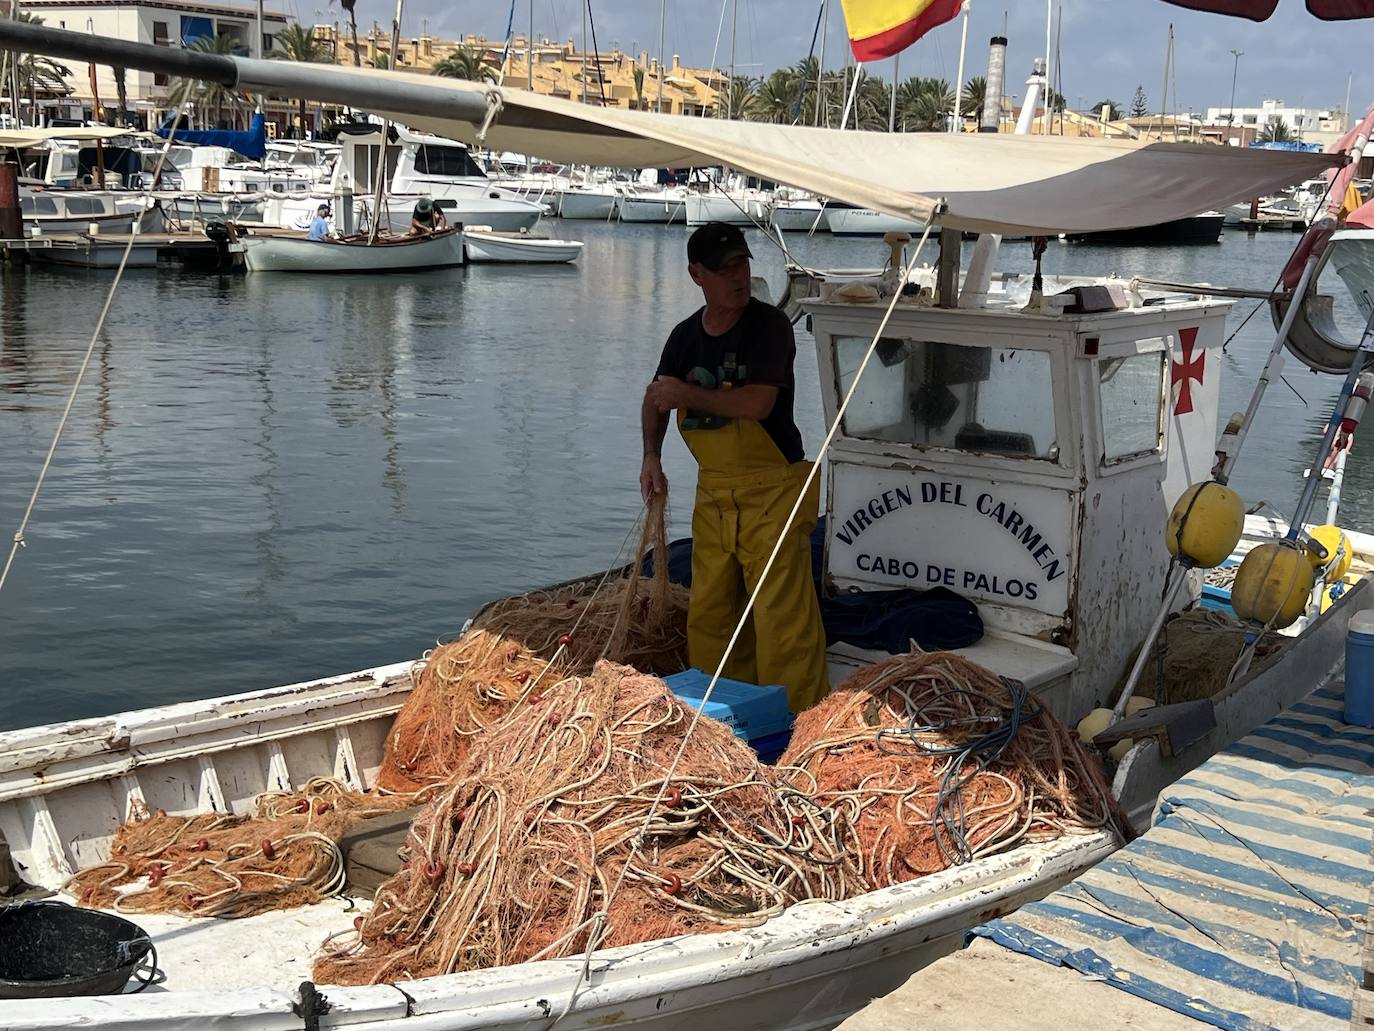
(661,210)
(297,254)
(866,222)
(1199,229)
(800,218)
(728,208)
(1352,256)
(588,205)
(485,248)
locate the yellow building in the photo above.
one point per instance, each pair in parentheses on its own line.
(613,78)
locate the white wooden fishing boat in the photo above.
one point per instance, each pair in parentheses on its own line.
(485,245)
(292,252)
(76,211)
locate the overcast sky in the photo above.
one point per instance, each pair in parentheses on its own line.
(1109,46)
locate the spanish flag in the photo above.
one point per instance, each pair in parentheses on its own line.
(881,28)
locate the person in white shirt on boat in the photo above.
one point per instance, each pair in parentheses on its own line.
(426,218)
(319,225)
(727,372)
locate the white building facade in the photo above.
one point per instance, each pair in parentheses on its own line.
(1300,120)
(159,22)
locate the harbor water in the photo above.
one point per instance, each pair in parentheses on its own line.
(272,478)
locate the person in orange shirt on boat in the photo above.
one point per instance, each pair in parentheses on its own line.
(728,373)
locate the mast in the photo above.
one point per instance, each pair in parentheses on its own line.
(734,25)
(662,18)
(892,98)
(529,49)
(379,192)
(1049,76)
(958,125)
(820,66)
(584,49)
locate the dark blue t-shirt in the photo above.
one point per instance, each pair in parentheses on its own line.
(758,350)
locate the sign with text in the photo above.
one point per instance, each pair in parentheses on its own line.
(1001,542)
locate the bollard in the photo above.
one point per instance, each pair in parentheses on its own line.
(11,224)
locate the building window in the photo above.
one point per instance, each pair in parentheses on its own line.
(160,35)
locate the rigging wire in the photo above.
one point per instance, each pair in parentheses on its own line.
(601,79)
(598,920)
(18,541)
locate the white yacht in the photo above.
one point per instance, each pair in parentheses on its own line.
(848,221)
(45,212)
(800,215)
(735,207)
(667,205)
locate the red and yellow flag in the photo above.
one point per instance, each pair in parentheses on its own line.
(881,28)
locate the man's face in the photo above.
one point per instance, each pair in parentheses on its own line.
(726,287)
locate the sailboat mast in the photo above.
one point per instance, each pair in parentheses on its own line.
(892,97)
(1049,78)
(379,191)
(958,125)
(529,49)
(584,49)
(662,19)
(820,67)
(734,25)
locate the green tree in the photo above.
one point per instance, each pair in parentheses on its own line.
(39,74)
(975,96)
(1140,106)
(776,97)
(297,43)
(639,89)
(924,104)
(466,63)
(382,59)
(210,98)
(739,100)
(1275,131)
(348,6)
(1113,109)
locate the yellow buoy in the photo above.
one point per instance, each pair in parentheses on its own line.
(1273,584)
(1338,550)
(1118,751)
(1093,724)
(1137,703)
(1206,524)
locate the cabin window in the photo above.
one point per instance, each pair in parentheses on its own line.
(39,205)
(84,206)
(447,161)
(988,400)
(1132,397)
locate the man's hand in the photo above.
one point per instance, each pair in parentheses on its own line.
(667,393)
(651,478)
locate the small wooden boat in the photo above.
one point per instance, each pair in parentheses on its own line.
(485,245)
(293,252)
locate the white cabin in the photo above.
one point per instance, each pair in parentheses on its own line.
(1025,461)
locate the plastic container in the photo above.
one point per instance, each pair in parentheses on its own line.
(1359,670)
(758,715)
(52,949)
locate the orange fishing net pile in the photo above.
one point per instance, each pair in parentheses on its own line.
(515,858)
(286,854)
(930,760)
(640,622)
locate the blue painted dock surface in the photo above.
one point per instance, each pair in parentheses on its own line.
(1244,907)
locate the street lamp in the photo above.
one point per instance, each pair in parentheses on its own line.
(1231,118)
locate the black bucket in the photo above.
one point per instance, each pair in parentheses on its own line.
(49,949)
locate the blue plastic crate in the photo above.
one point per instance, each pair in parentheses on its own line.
(753,713)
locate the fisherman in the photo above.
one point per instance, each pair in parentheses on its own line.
(319,225)
(426,218)
(727,372)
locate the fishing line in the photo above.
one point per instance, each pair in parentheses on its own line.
(19,541)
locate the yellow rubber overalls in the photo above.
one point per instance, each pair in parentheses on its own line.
(745,492)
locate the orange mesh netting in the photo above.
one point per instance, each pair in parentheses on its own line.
(513,860)
(286,854)
(642,623)
(933,760)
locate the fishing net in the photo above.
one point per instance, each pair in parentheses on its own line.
(930,760)
(285,854)
(629,618)
(1192,657)
(514,860)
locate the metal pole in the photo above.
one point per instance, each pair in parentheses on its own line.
(1049,22)
(734,27)
(662,20)
(892,100)
(820,67)
(584,49)
(1272,368)
(853,90)
(1235,69)
(958,125)
(379,193)
(529,48)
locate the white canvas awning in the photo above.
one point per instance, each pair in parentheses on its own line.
(990,182)
(27,137)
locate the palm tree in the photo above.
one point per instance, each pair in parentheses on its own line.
(639,89)
(38,74)
(209,96)
(1275,131)
(1113,109)
(121,91)
(382,59)
(924,103)
(807,73)
(975,96)
(776,97)
(297,43)
(348,6)
(740,100)
(466,63)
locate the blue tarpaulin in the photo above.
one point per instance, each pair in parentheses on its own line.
(1311,148)
(251,143)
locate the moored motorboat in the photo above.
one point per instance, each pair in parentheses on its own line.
(487,246)
(850,221)
(659,206)
(589,202)
(1195,229)
(293,252)
(803,215)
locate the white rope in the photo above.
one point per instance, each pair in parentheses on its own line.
(86,361)
(599,919)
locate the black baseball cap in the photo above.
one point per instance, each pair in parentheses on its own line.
(716,244)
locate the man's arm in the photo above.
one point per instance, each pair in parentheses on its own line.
(754,401)
(654,428)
